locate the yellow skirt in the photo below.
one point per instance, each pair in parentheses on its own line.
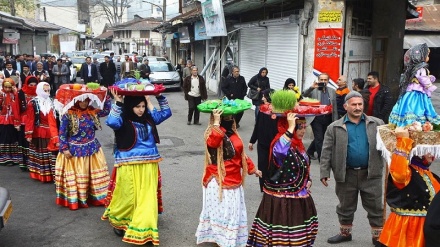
(134,203)
(81,180)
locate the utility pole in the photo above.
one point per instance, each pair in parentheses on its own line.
(44,13)
(164,16)
(12,7)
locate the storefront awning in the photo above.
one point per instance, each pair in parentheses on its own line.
(432,40)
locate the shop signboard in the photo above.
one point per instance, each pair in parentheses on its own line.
(214,18)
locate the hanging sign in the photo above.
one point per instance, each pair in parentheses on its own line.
(328,47)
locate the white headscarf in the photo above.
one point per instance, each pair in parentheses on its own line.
(44,101)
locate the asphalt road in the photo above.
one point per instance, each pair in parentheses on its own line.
(38,221)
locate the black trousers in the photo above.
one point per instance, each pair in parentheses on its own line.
(238,117)
(319,126)
(192,108)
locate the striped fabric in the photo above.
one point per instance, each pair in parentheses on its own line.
(81,180)
(10,153)
(41,161)
(284,222)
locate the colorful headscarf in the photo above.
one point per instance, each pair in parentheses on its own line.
(414,59)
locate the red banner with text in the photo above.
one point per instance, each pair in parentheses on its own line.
(328,45)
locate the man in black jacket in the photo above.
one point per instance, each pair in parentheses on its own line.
(145,69)
(378,101)
(108,71)
(235,87)
(89,71)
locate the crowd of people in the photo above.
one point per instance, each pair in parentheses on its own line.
(55,141)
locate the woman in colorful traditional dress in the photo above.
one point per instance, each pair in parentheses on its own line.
(287,214)
(416,86)
(410,190)
(42,134)
(9,124)
(223,219)
(133,205)
(81,173)
(26,93)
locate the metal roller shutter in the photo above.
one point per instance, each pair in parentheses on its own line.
(252,51)
(282,54)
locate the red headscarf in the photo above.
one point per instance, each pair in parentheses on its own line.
(30,91)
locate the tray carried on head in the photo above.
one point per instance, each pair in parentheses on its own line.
(150,89)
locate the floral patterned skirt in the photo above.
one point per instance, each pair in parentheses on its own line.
(81,180)
(223,222)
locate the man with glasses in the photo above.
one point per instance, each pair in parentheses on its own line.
(235,87)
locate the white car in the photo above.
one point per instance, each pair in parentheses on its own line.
(164,73)
(5,207)
(153,58)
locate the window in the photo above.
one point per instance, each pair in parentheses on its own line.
(144,34)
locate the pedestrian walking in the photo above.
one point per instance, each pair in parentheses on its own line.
(341,92)
(234,87)
(81,173)
(257,84)
(223,219)
(349,150)
(378,99)
(194,88)
(287,203)
(9,124)
(42,134)
(133,204)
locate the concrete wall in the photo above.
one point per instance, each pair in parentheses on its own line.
(309,39)
(390,27)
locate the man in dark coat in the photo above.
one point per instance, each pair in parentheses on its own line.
(235,87)
(145,69)
(378,100)
(108,71)
(89,71)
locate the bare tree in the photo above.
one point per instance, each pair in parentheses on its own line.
(11,6)
(113,10)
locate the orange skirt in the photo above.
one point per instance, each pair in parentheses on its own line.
(403,231)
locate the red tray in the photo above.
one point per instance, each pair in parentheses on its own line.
(158,88)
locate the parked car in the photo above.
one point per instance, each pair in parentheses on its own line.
(46,55)
(77,63)
(153,58)
(164,73)
(100,57)
(5,207)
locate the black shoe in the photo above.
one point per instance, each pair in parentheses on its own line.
(376,242)
(237,126)
(118,232)
(339,239)
(188,123)
(312,157)
(197,123)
